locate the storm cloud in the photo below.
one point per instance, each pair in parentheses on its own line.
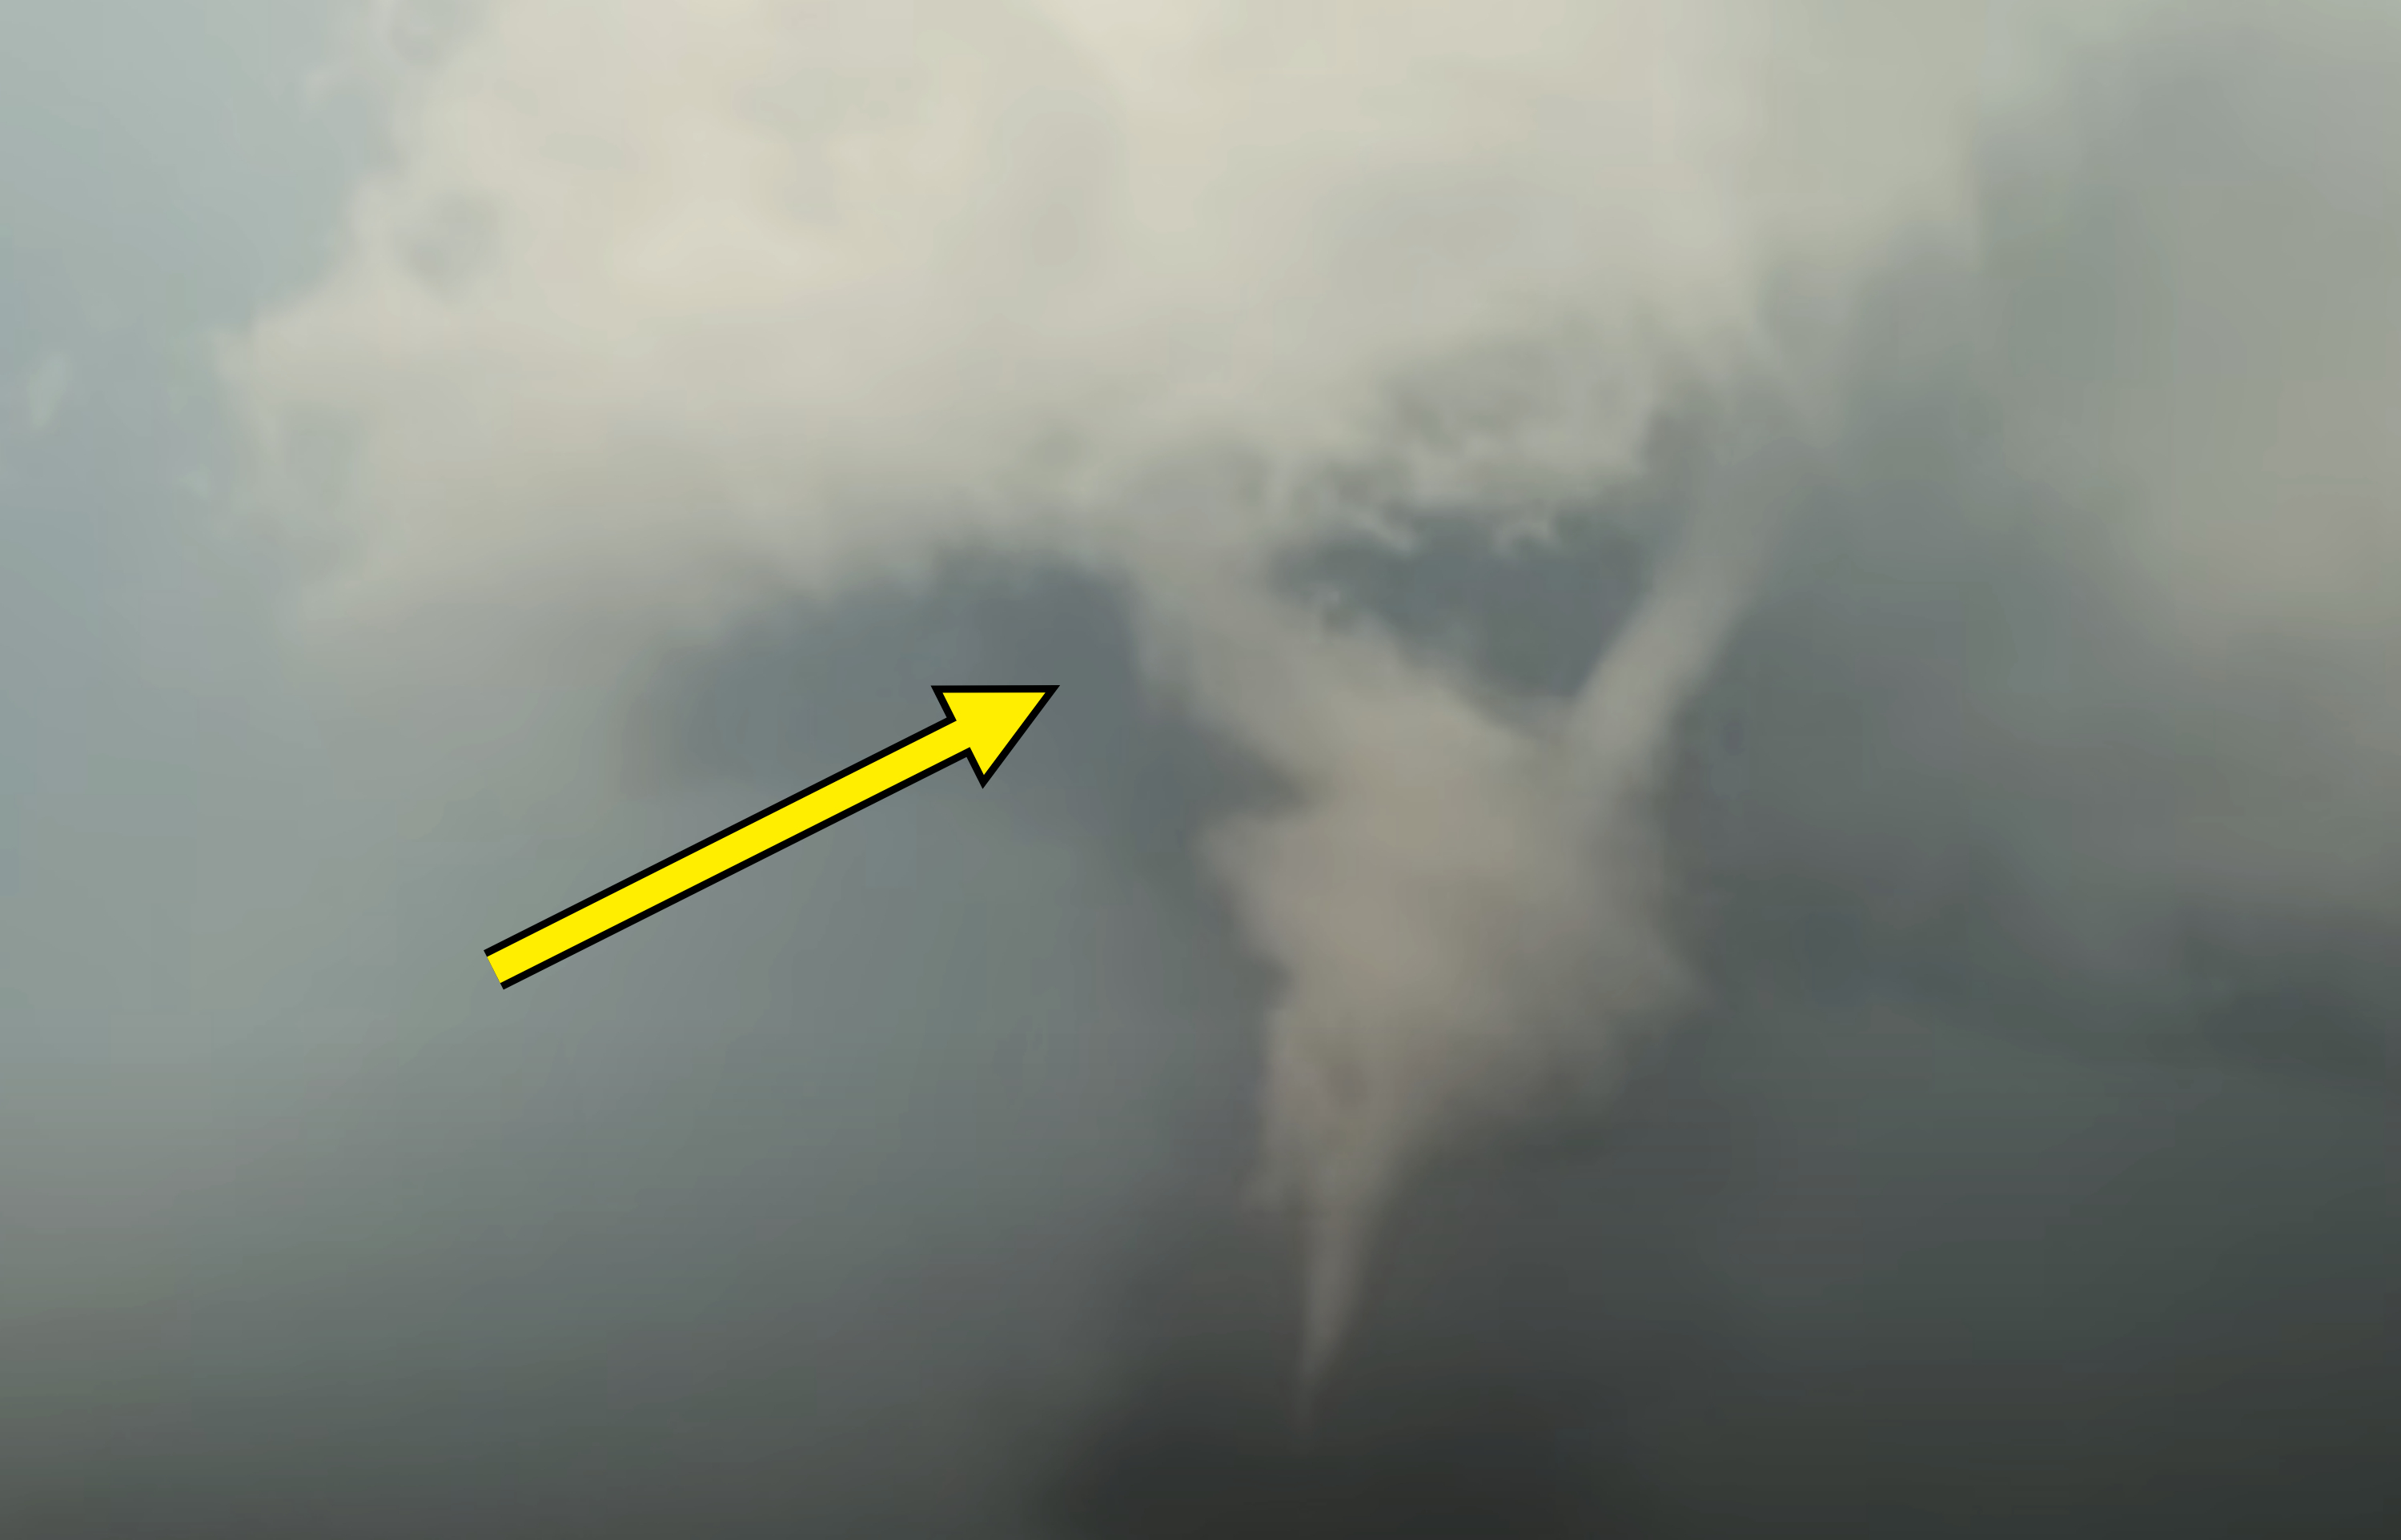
(1862,534)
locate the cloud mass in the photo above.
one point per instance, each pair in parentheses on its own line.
(659,314)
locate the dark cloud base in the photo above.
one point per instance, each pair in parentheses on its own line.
(1896,1239)
(1941,1221)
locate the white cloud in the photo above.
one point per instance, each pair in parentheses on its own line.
(664,308)
(653,290)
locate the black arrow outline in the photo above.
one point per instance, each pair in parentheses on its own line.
(984,777)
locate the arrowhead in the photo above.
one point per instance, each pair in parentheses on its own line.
(991,717)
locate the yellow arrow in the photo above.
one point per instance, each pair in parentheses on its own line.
(980,724)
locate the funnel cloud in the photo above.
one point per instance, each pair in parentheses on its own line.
(1718,853)
(812,295)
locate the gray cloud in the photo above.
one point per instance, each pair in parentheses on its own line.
(2025,844)
(808,297)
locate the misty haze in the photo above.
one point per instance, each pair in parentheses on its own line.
(1718,853)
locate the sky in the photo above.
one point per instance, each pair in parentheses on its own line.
(1717,852)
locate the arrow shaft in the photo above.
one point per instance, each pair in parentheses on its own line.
(752,839)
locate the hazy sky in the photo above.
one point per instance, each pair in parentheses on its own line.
(2023,1161)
